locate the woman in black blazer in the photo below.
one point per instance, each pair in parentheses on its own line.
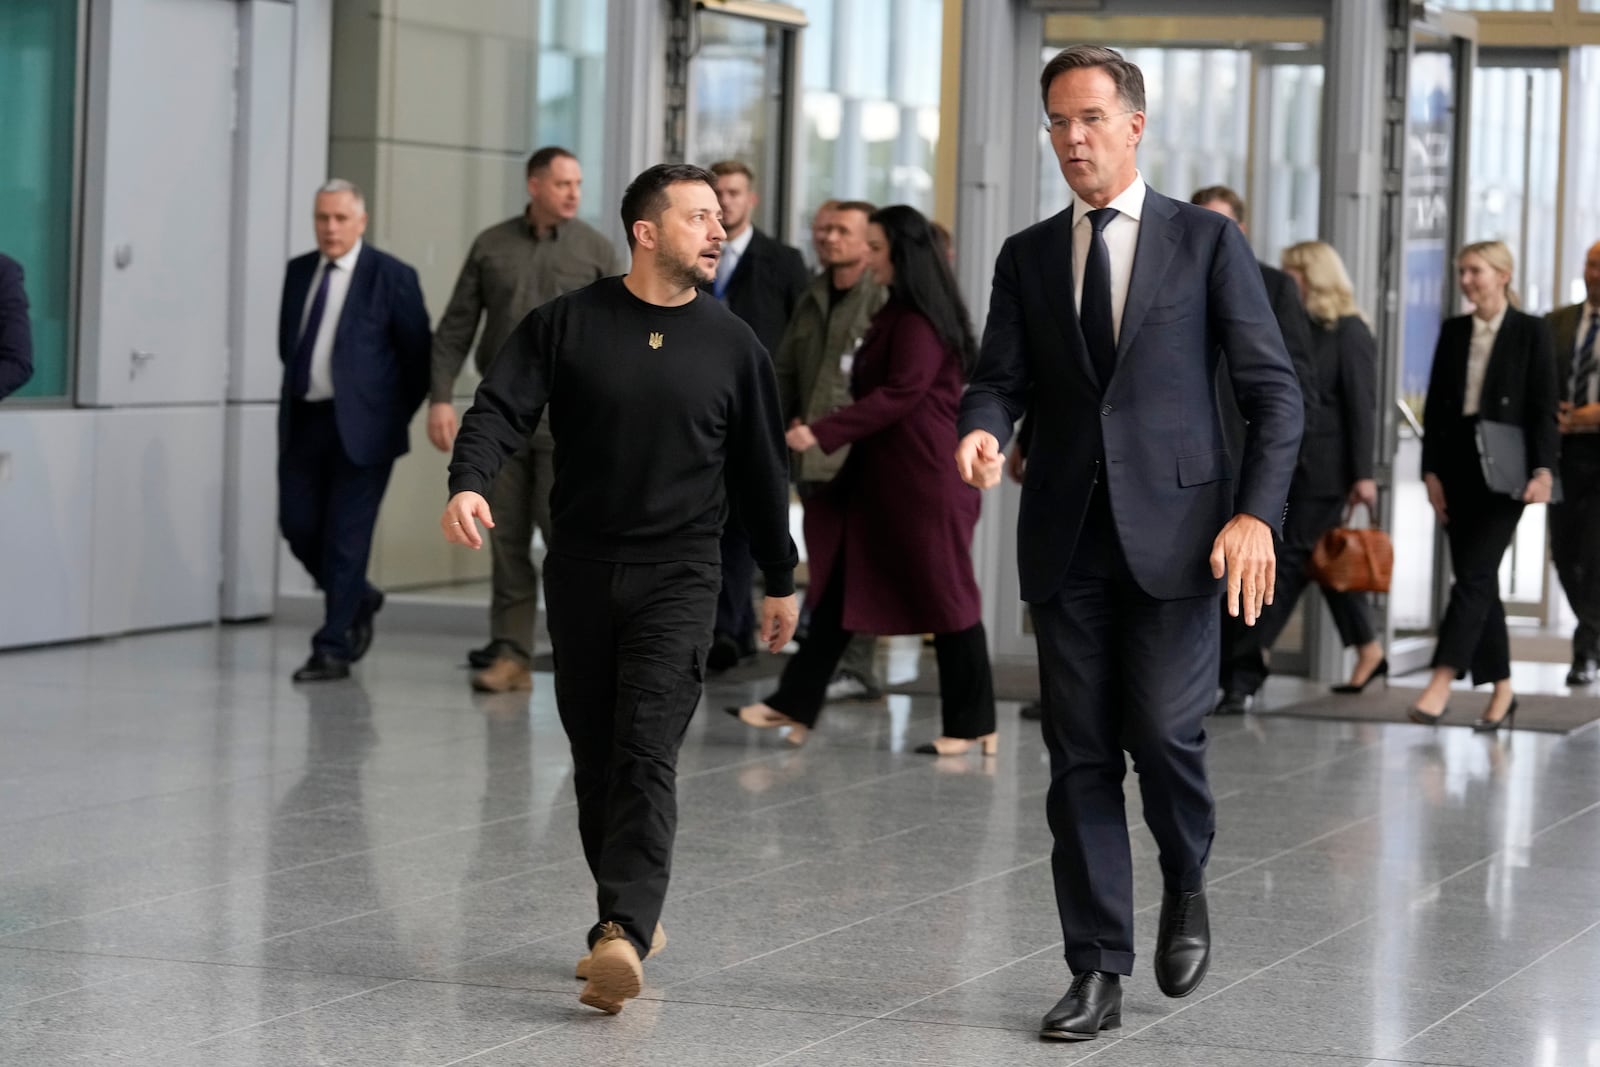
(1496,364)
(1338,446)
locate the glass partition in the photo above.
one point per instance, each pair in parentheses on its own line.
(38,55)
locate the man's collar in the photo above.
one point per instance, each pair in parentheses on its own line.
(740,243)
(347,262)
(1129,202)
(551,232)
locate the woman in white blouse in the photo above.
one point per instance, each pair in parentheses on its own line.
(1494,365)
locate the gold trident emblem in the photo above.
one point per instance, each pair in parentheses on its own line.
(655,340)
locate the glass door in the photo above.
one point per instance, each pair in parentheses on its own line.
(743,81)
(1425,223)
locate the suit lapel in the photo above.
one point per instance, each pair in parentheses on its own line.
(355,297)
(296,290)
(1158,239)
(1567,321)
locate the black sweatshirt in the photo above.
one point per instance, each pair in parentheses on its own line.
(659,415)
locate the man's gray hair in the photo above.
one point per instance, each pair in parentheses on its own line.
(1127,77)
(340,185)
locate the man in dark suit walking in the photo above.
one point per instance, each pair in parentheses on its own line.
(761,280)
(353,337)
(1575,521)
(1105,322)
(16,333)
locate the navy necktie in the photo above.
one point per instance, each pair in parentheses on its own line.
(1094,314)
(1584,367)
(301,380)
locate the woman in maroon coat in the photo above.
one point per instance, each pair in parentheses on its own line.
(890,542)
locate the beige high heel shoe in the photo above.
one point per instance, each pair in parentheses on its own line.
(764,718)
(960,746)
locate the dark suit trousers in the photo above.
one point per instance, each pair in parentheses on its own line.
(736,612)
(1575,539)
(1244,664)
(327,509)
(1472,634)
(1120,670)
(630,643)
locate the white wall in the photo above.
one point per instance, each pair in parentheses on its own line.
(150,500)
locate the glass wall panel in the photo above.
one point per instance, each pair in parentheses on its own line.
(1512,176)
(570,106)
(1286,204)
(1582,222)
(38,58)
(870,113)
(1502,5)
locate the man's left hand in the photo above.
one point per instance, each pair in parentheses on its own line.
(1243,551)
(779,616)
(800,438)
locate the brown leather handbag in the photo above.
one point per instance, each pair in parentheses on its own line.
(1352,560)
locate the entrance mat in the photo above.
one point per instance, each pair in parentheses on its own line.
(1535,711)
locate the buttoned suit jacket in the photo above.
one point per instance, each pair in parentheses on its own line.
(381,350)
(1153,432)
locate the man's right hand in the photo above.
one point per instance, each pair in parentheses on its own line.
(979,460)
(442,425)
(461,518)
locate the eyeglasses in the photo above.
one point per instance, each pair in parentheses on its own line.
(1061,127)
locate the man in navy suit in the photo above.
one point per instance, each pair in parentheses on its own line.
(1105,323)
(353,337)
(761,280)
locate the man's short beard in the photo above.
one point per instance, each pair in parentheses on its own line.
(682,273)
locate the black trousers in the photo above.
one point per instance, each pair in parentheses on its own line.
(736,612)
(327,509)
(630,642)
(1120,670)
(1472,634)
(1244,663)
(966,683)
(1575,539)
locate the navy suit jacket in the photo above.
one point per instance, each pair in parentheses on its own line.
(380,353)
(767,283)
(1153,432)
(16,336)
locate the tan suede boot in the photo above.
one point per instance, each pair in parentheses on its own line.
(615,973)
(658,941)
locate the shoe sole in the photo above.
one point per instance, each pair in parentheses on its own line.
(520,687)
(613,981)
(1110,1022)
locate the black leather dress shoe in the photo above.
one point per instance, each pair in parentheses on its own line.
(1582,672)
(1033,711)
(480,659)
(1183,943)
(322,668)
(1092,1004)
(726,652)
(361,629)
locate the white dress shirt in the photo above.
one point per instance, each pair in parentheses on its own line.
(1478,351)
(1121,237)
(731,251)
(321,382)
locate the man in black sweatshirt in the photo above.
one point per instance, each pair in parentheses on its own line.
(663,405)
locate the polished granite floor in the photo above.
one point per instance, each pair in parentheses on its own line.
(201,864)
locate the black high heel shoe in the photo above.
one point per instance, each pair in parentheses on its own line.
(1423,717)
(1382,668)
(1488,726)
